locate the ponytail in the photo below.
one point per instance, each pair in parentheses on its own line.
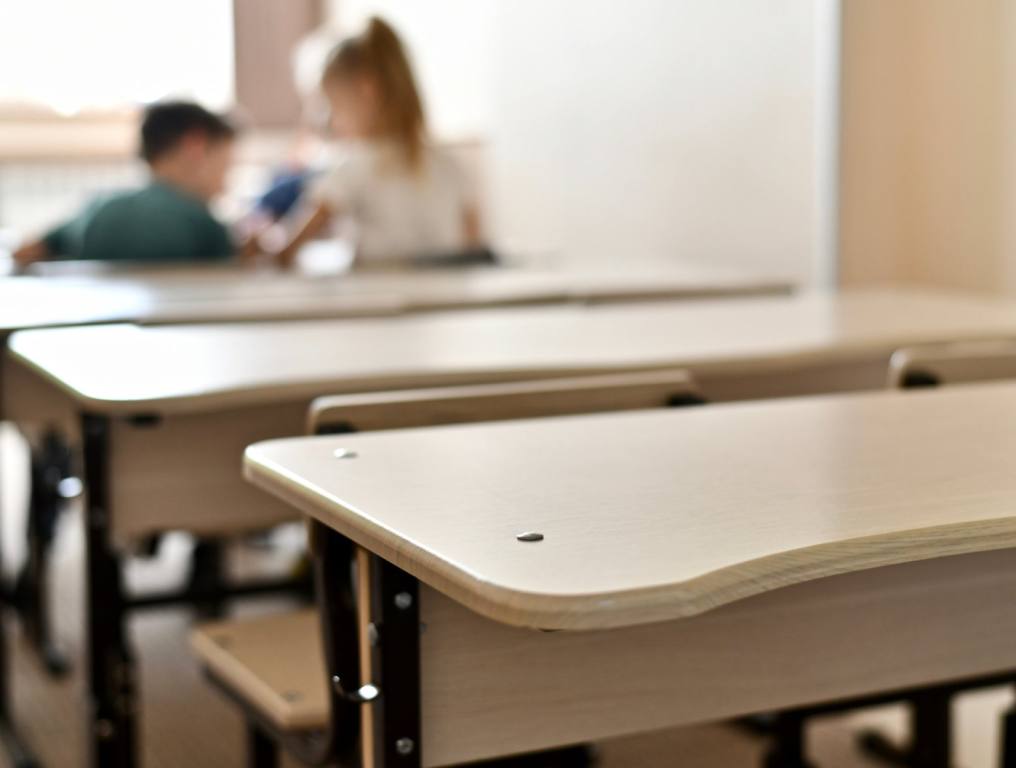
(378,52)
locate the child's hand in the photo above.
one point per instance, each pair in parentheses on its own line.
(30,253)
(250,249)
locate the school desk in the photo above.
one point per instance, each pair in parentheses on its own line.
(93,294)
(89,292)
(86,293)
(271,294)
(165,412)
(691,565)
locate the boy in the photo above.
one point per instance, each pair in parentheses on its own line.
(188,150)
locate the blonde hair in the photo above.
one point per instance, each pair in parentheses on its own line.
(378,53)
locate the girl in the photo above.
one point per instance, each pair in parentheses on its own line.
(404,197)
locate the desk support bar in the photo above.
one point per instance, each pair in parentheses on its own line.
(11,743)
(111,670)
(377,612)
(397,599)
(336,589)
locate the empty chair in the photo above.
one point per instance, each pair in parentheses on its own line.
(275,667)
(917,367)
(952,363)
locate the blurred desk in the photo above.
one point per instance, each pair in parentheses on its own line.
(223,386)
(169,294)
(79,293)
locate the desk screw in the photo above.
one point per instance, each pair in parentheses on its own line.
(530,536)
(405,746)
(403,600)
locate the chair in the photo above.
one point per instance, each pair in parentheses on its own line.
(284,694)
(953,363)
(918,367)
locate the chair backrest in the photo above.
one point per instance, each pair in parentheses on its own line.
(500,402)
(932,365)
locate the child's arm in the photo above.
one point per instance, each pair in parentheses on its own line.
(312,226)
(31,252)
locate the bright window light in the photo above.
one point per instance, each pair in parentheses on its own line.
(72,56)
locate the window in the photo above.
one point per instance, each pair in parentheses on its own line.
(69,56)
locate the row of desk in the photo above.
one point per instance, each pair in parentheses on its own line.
(87,294)
(840,516)
(213,389)
(75,294)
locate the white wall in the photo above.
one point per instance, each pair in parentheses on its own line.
(637,130)
(109,54)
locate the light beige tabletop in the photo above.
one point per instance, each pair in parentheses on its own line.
(661,515)
(120,368)
(27,302)
(80,293)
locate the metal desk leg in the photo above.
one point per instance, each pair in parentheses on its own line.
(930,733)
(397,739)
(396,666)
(11,743)
(111,673)
(262,751)
(789,748)
(51,466)
(1008,740)
(207,575)
(380,603)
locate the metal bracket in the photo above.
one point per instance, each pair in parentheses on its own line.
(397,742)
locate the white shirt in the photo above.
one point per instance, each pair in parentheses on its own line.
(397,211)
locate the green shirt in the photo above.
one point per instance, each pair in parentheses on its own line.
(158,223)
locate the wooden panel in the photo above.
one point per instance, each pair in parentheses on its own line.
(265,35)
(653,516)
(183,473)
(490,690)
(497,402)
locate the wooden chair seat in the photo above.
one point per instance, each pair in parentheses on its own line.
(274,663)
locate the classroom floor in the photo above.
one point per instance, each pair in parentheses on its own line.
(186,724)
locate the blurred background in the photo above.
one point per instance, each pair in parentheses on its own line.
(652,130)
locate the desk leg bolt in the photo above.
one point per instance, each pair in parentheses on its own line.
(403,601)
